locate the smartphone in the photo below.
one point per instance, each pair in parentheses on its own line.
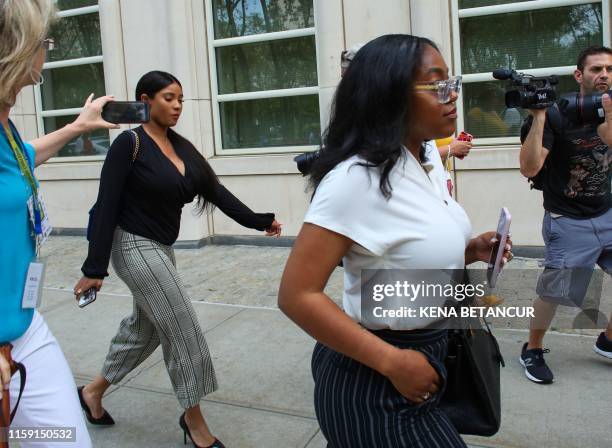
(497,253)
(87,298)
(464,137)
(126,112)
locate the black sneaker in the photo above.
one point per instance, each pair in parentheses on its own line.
(535,366)
(603,346)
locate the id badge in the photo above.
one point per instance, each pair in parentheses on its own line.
(32,291)
(39,219)
(45,224)
(31,213)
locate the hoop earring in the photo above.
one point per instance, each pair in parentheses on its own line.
(38,80)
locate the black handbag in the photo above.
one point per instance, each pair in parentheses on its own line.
(472,398)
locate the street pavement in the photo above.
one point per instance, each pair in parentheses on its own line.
(263,360)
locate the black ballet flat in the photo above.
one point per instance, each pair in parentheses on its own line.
(183,424)
(105,420)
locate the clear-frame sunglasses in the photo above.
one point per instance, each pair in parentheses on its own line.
(444,88)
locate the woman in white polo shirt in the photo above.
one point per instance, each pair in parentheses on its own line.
(377,206)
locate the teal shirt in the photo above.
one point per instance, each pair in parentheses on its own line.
(17,248)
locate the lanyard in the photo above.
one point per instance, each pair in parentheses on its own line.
(22,157)
(24,166)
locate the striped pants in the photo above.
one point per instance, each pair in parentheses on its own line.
(359,408)
(163,314)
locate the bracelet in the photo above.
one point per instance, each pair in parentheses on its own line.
(449,152)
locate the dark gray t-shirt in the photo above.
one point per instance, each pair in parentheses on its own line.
(576,178)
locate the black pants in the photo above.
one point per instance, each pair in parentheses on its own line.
(359,408)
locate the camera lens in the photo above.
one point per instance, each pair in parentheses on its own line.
(591,108)
(585,109)
(514,98)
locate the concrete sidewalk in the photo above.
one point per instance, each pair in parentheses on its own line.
(263,362)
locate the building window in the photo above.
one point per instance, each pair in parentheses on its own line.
(72,71)
(264,80)
(540,37)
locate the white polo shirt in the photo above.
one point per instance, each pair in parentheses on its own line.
(419,227)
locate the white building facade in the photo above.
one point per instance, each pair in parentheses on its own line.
(259,77)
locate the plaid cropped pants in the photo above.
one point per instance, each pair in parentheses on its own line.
(163,314)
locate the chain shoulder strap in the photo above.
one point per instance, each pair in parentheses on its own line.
(136,145)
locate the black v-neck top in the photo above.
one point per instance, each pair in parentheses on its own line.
(146,197)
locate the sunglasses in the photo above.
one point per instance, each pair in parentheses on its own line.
(444,88)
(48,44)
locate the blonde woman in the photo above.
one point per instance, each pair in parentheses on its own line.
(49,397)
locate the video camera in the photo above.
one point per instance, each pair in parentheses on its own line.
(530,92)
(304,161)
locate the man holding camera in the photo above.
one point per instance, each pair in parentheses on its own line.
(573,162)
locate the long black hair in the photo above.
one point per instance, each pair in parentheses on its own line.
(371,107)
(206,179)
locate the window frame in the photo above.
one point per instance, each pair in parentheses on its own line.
(457,14)
(216,99)
(41,113)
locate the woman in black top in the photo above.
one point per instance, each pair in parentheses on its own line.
(135,222)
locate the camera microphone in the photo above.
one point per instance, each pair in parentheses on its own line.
(503,73)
